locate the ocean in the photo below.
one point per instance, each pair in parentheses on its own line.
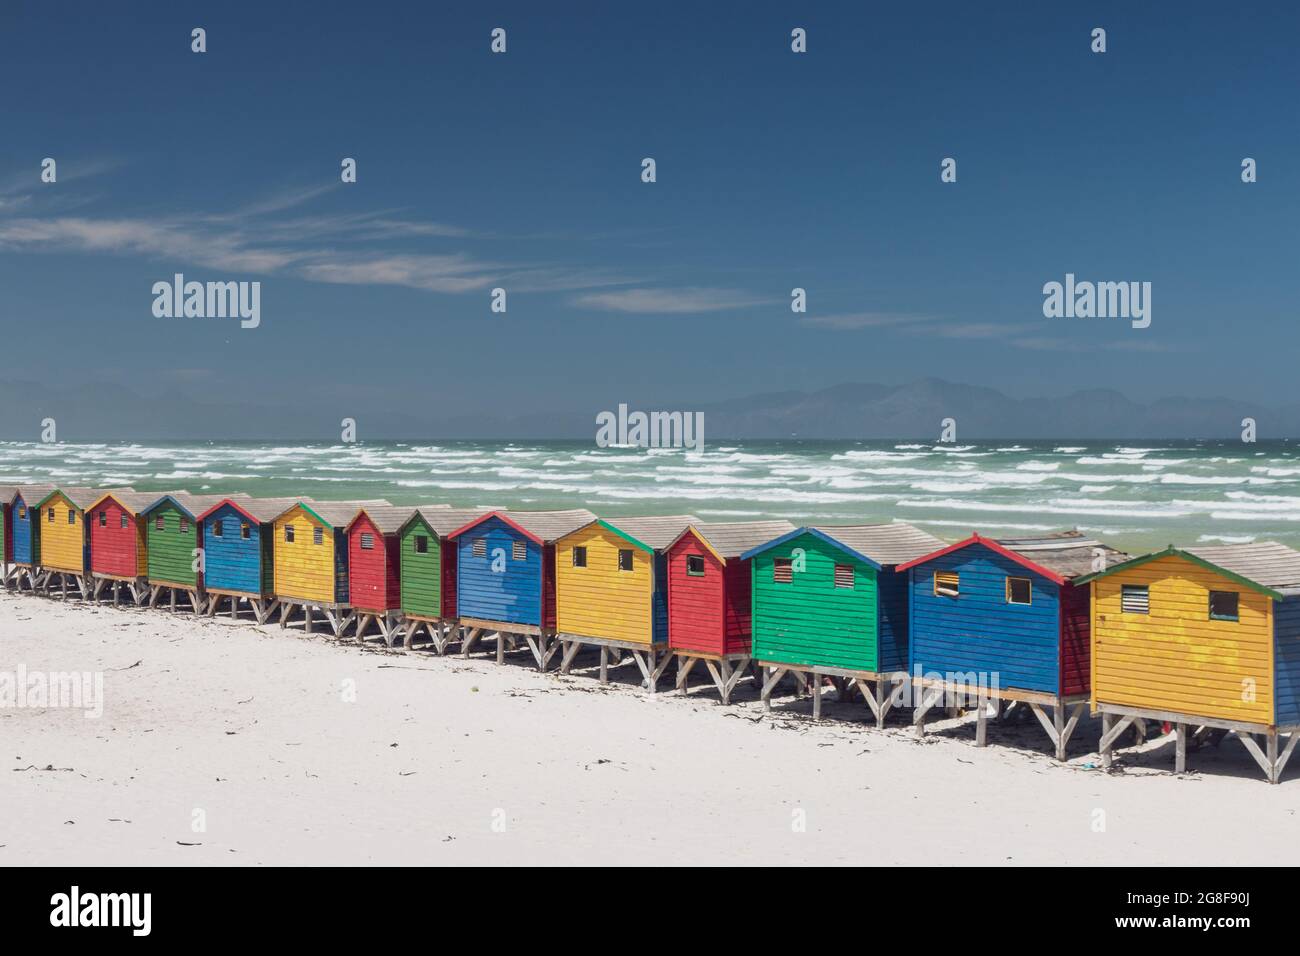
(1139,497)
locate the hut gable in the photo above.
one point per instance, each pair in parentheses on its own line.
(118,546)
(709,587)
(374,583)
(611,578)
(1188,631)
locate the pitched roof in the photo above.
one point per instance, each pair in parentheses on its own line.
(1061,556)
(81,498)
(655,533)
(389,519)
(133,501)
(444,521)
(542,526)
(880,545)
(32,494)
(336,514)
(261,510)
(731,539)
(193,505)
(1265,566)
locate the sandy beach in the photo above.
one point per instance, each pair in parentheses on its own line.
(226,743)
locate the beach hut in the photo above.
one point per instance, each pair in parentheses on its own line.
(25,534)
(611,591)
(174,548)
(310,560)
(119,544)
(709,598)
(237,554)
(65,539)
(7,493)
(830,603)
(427,568)
(1202,638)
(374,567)
(505,577)
(1003,620)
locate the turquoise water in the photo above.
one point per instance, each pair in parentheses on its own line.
(1139,496)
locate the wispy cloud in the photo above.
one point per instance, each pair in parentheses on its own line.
(667,301)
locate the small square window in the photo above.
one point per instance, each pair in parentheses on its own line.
(103,519)
(288,534)
(245,531)
(479,548)
(72,516)
(421,544)
(625,559)
(22,513)
(947,584)
(123,519)
(216,529)
(1020,591)
(782,571)
(580,556)
(844,576)
(1224,606)
(317,535)
(367,541)
(519,551)
(159,523)
(695,565)
(1134,599)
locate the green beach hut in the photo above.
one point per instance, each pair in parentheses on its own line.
(428,572)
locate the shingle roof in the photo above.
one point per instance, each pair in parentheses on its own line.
(887,544)
(656,532)
(195,505)
(1070,554)
(338,514)
(263,510)
(550,525)
(387,518)
(444,521)
(32,494)
(1268,563)
(133,501)
(81,497)
(731,539)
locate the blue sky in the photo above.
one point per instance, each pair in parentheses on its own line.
(775,170)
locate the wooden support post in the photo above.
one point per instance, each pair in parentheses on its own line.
(1273,775)
(501,648)
(604,664)
(1180,748)
(306,610)
(570,652)
(1058,719)
(982,723)
(817,695)
(1107,741)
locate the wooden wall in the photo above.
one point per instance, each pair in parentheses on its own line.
(600,600)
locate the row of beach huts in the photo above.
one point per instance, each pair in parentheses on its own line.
(1203,640)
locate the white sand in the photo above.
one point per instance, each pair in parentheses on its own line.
(249,725)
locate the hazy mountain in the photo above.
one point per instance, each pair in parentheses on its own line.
(96,412)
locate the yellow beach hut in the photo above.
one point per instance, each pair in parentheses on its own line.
(65,541)
(1202,638)
(311,560)
(611,591)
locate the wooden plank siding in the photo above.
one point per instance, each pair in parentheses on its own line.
(496,586)
(6,536)
(170,550)
(303,569)
(117,540)
(697,603)
(421,573)
(64,545)
(808,621)
(1076,639)
(233,562)
(600,600)
(1286,661)
(23,546)
(1174,658)
(979,632)
(373,580)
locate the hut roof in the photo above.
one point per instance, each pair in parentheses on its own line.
(1265,566)
(1061,556)
(880,545)
(389,519)
(260,510)
(32,494)
(542,526)
(731,539)
(193,505)
(134,502)
(81,498)
(336,514)
(445,520)
(650,533)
